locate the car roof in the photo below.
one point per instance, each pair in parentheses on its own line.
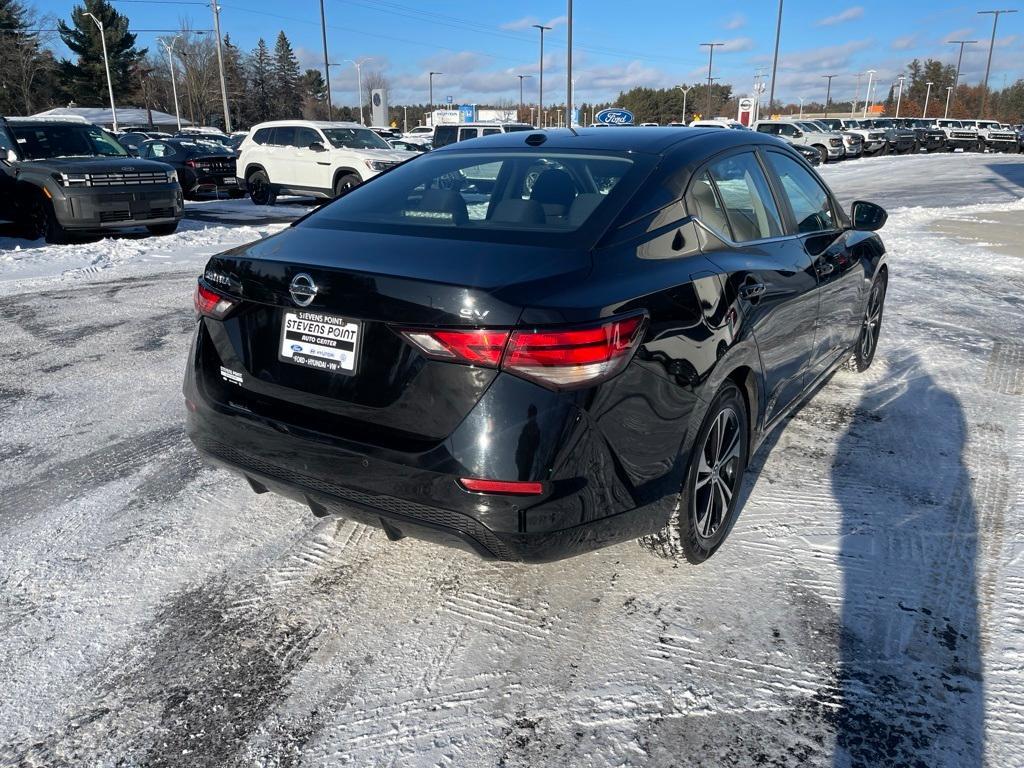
(481,125)
(307,124)
(654,141)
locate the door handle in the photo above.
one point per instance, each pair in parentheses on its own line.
(752,290)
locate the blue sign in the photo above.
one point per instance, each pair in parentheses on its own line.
(467,113)
(614,116)
(449,99)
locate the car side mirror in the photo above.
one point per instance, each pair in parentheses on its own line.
(317,146)
(798,135)
(867,217)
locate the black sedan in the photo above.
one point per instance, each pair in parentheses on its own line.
(537,343)
(204,168)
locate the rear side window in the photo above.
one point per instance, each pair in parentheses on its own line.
(811,205)
(467,133)
(491,131)
(702,201)
(744,191)
(445,135)
(262,136)
(284,136)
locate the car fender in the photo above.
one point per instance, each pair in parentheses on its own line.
(251,168)
(344,171)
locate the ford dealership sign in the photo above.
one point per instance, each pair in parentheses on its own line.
(614,116)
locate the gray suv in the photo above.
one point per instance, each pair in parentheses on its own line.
(60,176)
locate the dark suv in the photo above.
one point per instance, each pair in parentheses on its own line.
(67,175)
(929,137)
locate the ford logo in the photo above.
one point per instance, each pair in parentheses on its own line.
(302,289)
(296,347)
(614,116)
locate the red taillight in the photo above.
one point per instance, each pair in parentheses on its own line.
(190,163)
(512,487)
(210,303)
(561,358)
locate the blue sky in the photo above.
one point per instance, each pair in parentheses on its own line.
(481,45)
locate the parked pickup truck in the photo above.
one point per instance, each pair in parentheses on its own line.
(67,175)
(829,144)
(898,139)
(873,140)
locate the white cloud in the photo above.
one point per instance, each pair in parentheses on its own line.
(850,14)
(528,21)
(904,43)
(736,21)
(738,44)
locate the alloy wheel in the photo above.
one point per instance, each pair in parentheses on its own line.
(718,473)
(872,322)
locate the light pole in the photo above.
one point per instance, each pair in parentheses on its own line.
(960,58)
(949,92)
(540,83)
(828,92)
(106,65)
(359,83)
(685,91)
(802,98)
(711,57)
(867,96)
(174,83)
(430,79)
(899,96)
(521,78)
(568,67)
(927,96)
(775,59)
(988,66)
(220,67)
(327,66)
(856,96)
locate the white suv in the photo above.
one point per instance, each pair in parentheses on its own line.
(304,157)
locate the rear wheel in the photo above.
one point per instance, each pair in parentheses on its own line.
(871,327)
(162,230)
(346,183)
(709,500)
(260,189)
(40,221)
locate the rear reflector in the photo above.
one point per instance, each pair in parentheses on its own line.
(210,303)
(561,358)
(513,487)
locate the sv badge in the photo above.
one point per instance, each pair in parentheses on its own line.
(474,313)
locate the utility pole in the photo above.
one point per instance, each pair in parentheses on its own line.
(828,92)
(685,91)
(106,65)
(801,107)
(867,95)
(927,96)
(430,78)
(220,67)
(988,66)
(775,59)
(359,83)
(327,66)
(856,96)
(540,83)
(174,83)
(899,96)
(711,57)
(568,67)
(521,78)
(960,58)
(949,92)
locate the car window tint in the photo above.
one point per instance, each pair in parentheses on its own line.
(491,131)
(306,136)
(284,136)
(811,205)
(467,133)
(262,136)
(702,201)
(161,150)
(747,198)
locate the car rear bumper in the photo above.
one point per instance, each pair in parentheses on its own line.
(118,207)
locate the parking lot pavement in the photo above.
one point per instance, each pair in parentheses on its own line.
(865,611)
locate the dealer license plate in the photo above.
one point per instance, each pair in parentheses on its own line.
(324,342)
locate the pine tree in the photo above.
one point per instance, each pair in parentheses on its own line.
(287,98)
(234,79)
(85,80)
(260,99)
(314,95)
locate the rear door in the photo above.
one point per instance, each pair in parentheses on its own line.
(812,214)
(311,168)
(7,198)
(766,267)
(283,169)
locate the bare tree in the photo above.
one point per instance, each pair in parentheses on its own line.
(372,81)
(26,64)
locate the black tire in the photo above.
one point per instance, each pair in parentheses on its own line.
(40,221)
(345,184)
(871,327)
(260,189)
(822,151)
(162,230)
(709,500)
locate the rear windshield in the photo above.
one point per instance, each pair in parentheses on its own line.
(37,142)
(528,197)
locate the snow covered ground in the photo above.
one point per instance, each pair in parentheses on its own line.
(866,611)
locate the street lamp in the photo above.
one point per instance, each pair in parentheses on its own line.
(174,83)
(775,59)
(711,56)
(960,58)
(802,98)
(988,67)
(927,96)
(828,91)
(867,96)
(106,65)
(359,83)
(430,79)
(899,95)
(685,90)
(569,85)
(540,83)
(949,92)
(521,78)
